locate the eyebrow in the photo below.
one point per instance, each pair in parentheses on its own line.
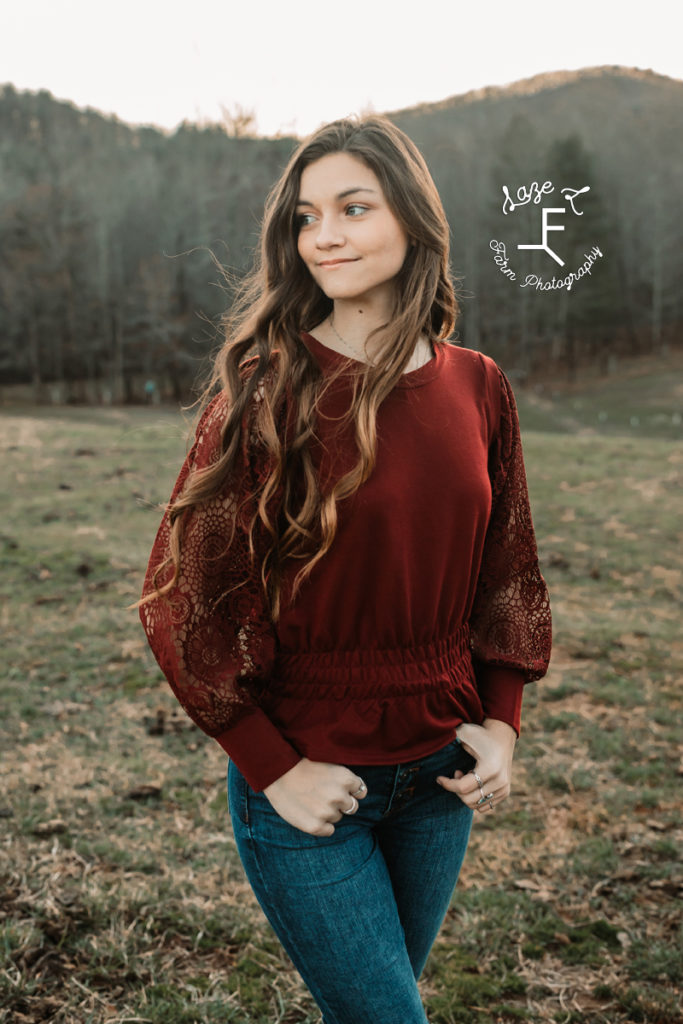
(340,195)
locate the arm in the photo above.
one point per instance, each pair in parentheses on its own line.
(510,621)
(212,634)
(213,638)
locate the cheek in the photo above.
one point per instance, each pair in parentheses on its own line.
(395,245)
(305,244)
(396,252)
(306,249)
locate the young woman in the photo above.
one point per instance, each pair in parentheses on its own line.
(345,590)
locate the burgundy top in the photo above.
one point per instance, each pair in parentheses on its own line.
(428,610)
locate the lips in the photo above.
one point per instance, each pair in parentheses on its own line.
(337,263)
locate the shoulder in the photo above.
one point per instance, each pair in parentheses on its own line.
(459,356)
(475,367)
(483,379)
(209,430)
(216,410)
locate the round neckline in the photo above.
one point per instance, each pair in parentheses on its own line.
(415,378)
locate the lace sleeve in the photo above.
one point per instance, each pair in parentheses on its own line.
(211,634)
(510,622)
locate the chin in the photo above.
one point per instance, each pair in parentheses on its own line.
(340,293)
(344,290)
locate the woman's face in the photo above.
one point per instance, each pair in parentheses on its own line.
(349,239)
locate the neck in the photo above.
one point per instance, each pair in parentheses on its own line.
(355,322)
(350,337)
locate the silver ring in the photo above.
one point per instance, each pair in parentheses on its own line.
(353,808)
(484,799)
(361,789)
(477,779)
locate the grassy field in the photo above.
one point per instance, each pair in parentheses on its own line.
(122,896)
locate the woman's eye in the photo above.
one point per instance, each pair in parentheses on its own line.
(304,219)
(355,209)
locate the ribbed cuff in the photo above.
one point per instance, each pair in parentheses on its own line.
(259,749)
(500,692)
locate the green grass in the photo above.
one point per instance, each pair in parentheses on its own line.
(638,399)
(122,903)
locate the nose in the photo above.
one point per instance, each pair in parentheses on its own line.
(329,234)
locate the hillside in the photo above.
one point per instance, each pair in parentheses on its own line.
(107,231)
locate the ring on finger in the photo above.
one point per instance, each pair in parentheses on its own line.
(477,779)
(362,788)
(484,799)
(353,808)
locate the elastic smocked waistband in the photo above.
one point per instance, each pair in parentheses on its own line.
(372,672)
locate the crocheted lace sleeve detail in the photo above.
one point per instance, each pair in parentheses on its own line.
(510,622)
(211,634)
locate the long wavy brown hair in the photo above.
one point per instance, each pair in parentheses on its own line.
(294,518)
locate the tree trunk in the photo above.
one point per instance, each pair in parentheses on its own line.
(34,358)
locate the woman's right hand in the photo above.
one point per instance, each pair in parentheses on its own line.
(313,795)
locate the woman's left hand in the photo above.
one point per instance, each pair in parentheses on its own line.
(492,746)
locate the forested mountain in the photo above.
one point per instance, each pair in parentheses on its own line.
(109,233)
(617,130)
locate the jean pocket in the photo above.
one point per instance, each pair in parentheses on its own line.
(457,757)
(464,762)
(238,794)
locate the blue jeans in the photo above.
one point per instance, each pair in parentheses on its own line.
(358,911)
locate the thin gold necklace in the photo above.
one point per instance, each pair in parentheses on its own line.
(346,345)
(364,358)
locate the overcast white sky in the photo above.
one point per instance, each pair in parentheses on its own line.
(297,63)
